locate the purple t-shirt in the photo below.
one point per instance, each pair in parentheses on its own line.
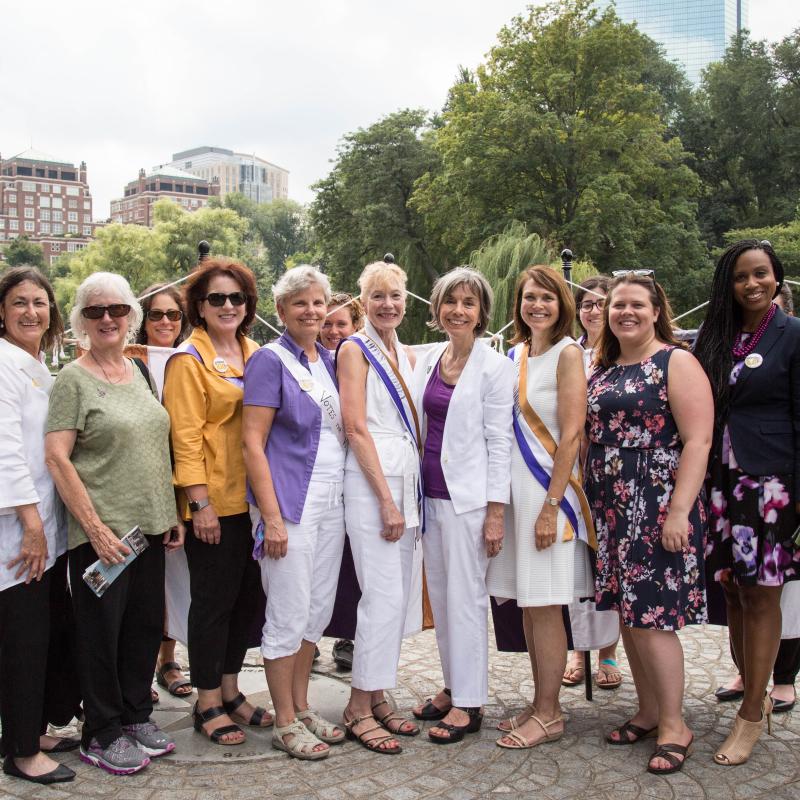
(294,437)
(435,403)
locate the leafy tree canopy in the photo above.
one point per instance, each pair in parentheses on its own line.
(23,251)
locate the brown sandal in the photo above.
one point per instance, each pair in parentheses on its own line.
(628,728)
(393,716)
(373,743)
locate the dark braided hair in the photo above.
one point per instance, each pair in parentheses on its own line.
(723,322)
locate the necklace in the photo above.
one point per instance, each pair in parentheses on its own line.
(741,349)
(105,374)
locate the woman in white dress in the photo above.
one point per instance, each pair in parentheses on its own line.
(381,493)
(545,560)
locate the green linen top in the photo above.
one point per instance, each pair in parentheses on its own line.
(121,451)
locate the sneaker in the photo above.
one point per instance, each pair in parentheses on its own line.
(150,738)
(121,757)
(343,653)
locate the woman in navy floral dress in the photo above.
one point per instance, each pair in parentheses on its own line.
(649,425)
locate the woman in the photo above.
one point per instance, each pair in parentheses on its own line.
(203,390)
(33,536)
(381,485)
(592,628)
(465,390)
(165,325)
(649,428)
(545,560)
(750,350)
(345,317)
(294,450)
(108,451)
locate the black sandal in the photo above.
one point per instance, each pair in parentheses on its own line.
(256,718)
(374,743)
(629,727)
(457,732)
(670,753)
(431,712)
(393,716)
(215,736)
(174,686)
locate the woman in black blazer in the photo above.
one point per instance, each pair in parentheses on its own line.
(750,350)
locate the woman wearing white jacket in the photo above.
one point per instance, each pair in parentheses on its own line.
(465,390)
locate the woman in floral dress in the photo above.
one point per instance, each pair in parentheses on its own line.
(649,424)
(751,352)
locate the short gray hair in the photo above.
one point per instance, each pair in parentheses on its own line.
(298,279)
(104,283)
(475,282)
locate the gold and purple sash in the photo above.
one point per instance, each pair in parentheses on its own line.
(538,449)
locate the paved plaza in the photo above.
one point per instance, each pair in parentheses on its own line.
(581,765)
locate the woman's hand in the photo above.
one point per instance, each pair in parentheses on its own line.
(175,536)
(276,540)
(32,556)
(493,529)
(546,527)
(110,550)
(675,533)
(393,521)
(205,524)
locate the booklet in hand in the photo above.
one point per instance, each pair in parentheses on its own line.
(99,577)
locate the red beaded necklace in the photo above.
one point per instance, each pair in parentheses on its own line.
(741,349)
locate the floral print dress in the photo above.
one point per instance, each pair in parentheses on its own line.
(752,520)
(634,451)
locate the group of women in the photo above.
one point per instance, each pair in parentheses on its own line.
(547,479)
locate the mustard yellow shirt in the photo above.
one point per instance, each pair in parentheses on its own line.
(205,408)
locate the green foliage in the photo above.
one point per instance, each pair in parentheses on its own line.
(784,238)
(21,251)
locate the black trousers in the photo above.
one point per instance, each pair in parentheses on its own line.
(787,662)
(225,585)
(118,636)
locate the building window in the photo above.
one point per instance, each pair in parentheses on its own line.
(87,218)
(29,226)
(87,206)
(44,202)
(12,212)
(13,225)
(52,174)
(27,186)
(44,187)
(68,176)
(58,216)
(58,229)
(44,227)
(2,223)
(28,199)
(56,188)
(87,230)
(57,202)
(12,198)
(70,247)
(55,247)
(28,213)
(72,216)
(44,214)
(72,203)
(72,228)
(73,191)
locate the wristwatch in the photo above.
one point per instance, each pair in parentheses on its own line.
(198,505)
(553,501)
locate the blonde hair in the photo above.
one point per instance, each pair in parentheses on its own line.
(380,272)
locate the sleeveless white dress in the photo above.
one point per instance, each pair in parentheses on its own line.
(561,573)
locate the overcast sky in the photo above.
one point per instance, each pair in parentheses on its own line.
(125,85)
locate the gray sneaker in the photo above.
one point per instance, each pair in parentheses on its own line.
(150,738)
(121,757)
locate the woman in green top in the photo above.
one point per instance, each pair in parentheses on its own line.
(107,448)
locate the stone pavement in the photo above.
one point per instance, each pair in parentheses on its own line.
(581,765)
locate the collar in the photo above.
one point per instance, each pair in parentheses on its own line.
(20,357)
(202,343)
(285,340)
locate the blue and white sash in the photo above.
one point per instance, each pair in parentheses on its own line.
(538,448)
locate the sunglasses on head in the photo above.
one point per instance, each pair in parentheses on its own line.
(640,273)
(173,315)
(114,310)
(217,299)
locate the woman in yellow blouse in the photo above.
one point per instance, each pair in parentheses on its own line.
(203,392)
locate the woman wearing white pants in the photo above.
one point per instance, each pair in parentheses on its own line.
(381,487)
(294,448)
(466,392)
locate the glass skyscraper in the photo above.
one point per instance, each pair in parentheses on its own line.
(693,32)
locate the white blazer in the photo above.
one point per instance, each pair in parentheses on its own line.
(478,432)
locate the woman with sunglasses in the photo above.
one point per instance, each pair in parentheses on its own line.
(107,448)
(591,628)
(165,326)
(750,350)
(203,393)
(649,427)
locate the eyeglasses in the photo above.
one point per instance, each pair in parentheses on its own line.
(640,273)
(173,315)
(217,299)
(588,305)
(98,312)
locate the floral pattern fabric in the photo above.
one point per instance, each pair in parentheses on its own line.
(634,451)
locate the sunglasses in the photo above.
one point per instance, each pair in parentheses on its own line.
(173,315)
(588,305)
(98,312)
(641,273)
(217,299)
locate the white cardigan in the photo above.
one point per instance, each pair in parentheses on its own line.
(476,446)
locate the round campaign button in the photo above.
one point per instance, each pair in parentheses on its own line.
(306,384)
(220,364)
(754,360)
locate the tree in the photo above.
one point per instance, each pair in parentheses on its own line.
(565,129)
(23,251)
(784,238)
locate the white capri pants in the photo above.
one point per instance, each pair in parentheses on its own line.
(301,586)
(384,574)
(455,570)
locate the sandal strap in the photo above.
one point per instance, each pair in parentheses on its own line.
(670,752)
(232,705)
(206,715)
(218,733)
(374,742)
(636,730)
(520,741)
(257,717)
(610,662)
(168,666)
(390,716)
(325,726)
(303,738)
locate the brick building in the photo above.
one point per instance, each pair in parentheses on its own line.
(136,206)
(48,200)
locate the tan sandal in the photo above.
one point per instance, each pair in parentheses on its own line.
(573,676)
(393,716)
(511,724)
(742,739)
(609,670)
(302,743)
(373,743)
(521,743)
(321,728)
